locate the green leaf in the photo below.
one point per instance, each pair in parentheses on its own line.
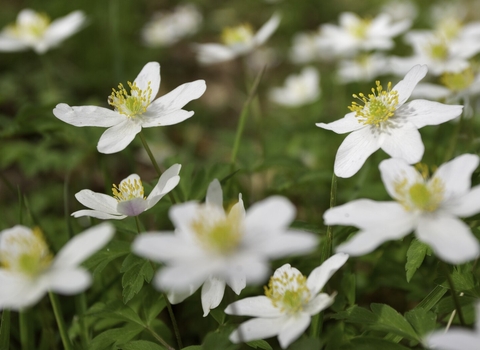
(356,314)
(102,258)
(259,344)
(153,304)
(136,271)
(219,340)
(390,320)
(115,310)
(463,280)
(193,347)
(5,330)
(422,321)
(218,315)
(415,255)
(110,337)
(370,343)
(348,287)
(140,345)
(305,343)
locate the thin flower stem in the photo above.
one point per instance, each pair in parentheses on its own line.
(67,345)
(25,337)
(176,330)
(159,338)
(454,293)
(81,308)
(5,330)
(114,9)
(137,221)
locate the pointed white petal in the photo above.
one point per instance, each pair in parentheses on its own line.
(87,115)
(346,124)
(293,328)
(162,247)
(267,30)
(319,303)
(97,214)
(456,175)
(11,45)
(97,201)
(272,215)
(167,182)
(258,328)
(259,306)
(63,27)
(180,277)
(292,242)
(178,97)
(396,170)
(68,281)
(18,291)
(404,142)
(215,194)
(320,275)
(118,137)
(133,207)
(212,294)
(422,112)
(454,339)
(182,215)
(466,205)
(430,91)
(237,280)
(213,53)
(150,74)
(176,297)
(406,86)
(152,119)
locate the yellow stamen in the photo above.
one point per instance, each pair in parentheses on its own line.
(360,29)
(438,50)
(237,35)
(458,81)
(132,104)
(129,189)
(33,29)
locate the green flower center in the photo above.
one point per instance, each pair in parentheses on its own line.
(241,34)
(378,107)
(425,196)
(35,28)
(128,189)
(359,30)
(131,104)
(438,50)
(458,81)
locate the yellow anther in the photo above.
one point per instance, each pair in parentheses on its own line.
(237,35)
(35,28)
(360,30)
(425,196)
(132,104)
(129,189)
(458,81)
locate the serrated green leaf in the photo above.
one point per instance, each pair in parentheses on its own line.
(110,337)
(370,343)
(356,314)
(136,271)
(259,344)
(422,321)
(140,345)
(153,304)
(391,321)
(102,258)
(415,256)
(115,310)
(463,280)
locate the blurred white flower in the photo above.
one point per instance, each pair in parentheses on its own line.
(400,9)
(456,338)
(385,121)
(363,68)
(237,41)
(128,197)
(35,30)
(134,110)
(428,206)
(298,90)
(28,270)
(213,248)
(306,47)
(355,34)
(290,301)
(167,28)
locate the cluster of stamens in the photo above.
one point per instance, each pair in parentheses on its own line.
(33,29)
(458,81)
(438,50)
(360,30)
(128,189)
(237,35)
(132,104)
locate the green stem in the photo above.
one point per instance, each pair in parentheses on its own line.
(137,221)
(453,141)
(160,339)
(25,336)
(176,330)
(67,345)
(81,308)
(454,293)
(114,15)
(5,330)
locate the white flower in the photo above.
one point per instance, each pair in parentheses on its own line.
(457,338)
(428,206)
(237,41)
(213,248)
(385,121)
(289,302)
(400,9)
(168,28)
(128,197)
(134,110)
(35,30)
(356,34)
(306,48)
(364,67)
(298,90)
(28,270)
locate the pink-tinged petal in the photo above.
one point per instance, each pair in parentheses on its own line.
(149,75)
(293,328)
(258,328)
(454,339)
(466,205)
(177,98)
(87,115)
(394,171)
(97,214)
(167,182)
(348,123)
(11,45)
(83,245)
(406,86)
(68,281)
(118,137)
(291,242)
(215,194)
(319,303)
(133,207)
(97,201)
(259,306)
(212,294)
(354,151)
(162,247)
(267,30)
(422,112)
(456,175)
(404,142)
(449,237)
(272,215)
(151,120)
(213,53)
(320,275)
(63,27)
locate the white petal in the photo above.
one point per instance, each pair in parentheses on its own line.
(450,238)
(267,30)
(18,292)
(167,182)
(162,247)
(150,73)
(182,215)
(238,210)
(422,112)
(133,207)
(177,98)
(394,171)
(404,142)
(456,174)
(293,328)
(83,245)
(97,201)
(87,115)
(354,151)
(150,119)
(273,214)
(180,277)
(466,205)
(430,91)
(68,281)
(259,306)
(63,27)
(320,275)
(348,123)
(212,294)
(237,281)
(213,53)
(258,328)
(176,297)
(11,45)
(244,269)
(118,137)
(214,194)
(406,86)
(319,303)
(454,339)
(291,242)
(97,214)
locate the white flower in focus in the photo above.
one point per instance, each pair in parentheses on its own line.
(356,34)
(128,197)
(237,41)
(363,68)
(165,29)
(290,301)
(428,206)
(298,90)
(134,110)
(28,270)
(35,30)
(215,248)
(456,338)
(385,121)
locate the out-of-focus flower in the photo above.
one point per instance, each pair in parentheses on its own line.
(28,270)
(128,197)
(237,41)
(298,90)
(456,338)
(356,34)
(290,301)
(363,68)
(134,110)
(35,30)
(167,28)
(385,121)
(213,248)
(428,206)
(306,47)
(400,9)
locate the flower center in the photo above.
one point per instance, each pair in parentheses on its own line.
(449,27)
(216,231)
(287,289)
(25,252)
(359,30)
(35,27)
(128,189)
(377,107)
(133,104)
(458,81)
(241,34)
(438,50)
(425,196)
